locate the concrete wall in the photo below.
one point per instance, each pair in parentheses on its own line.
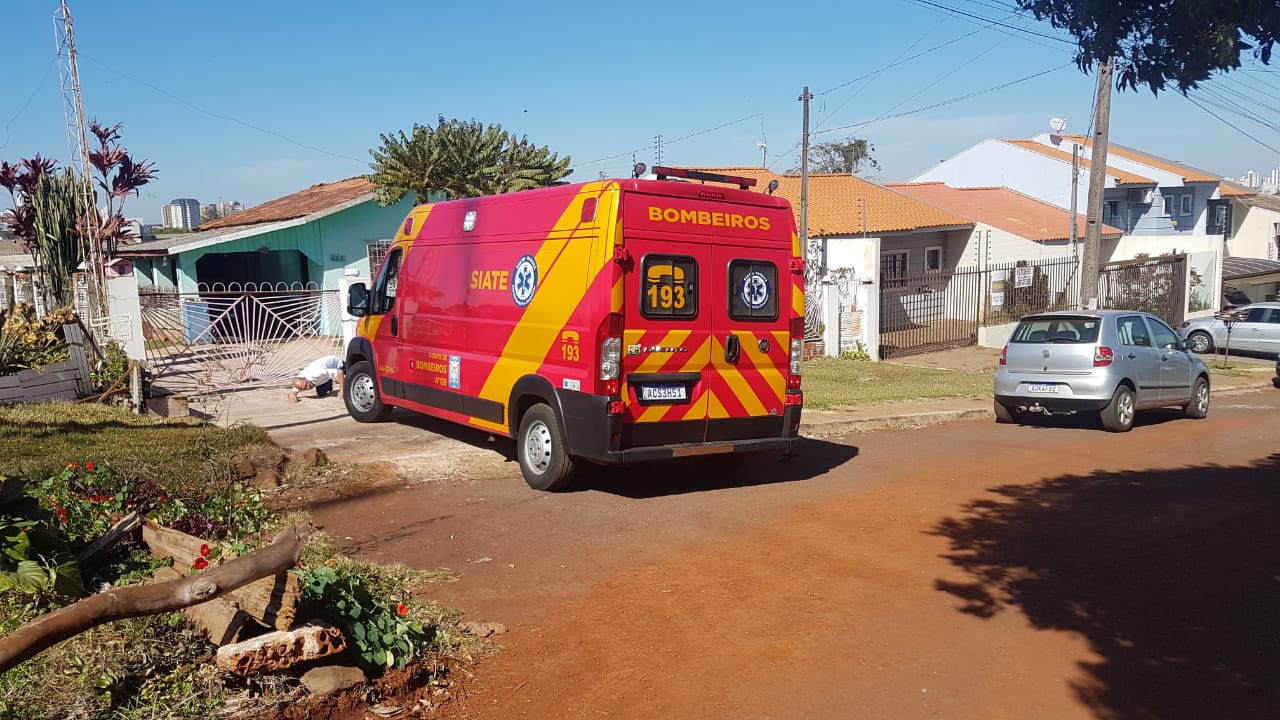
(1253,233)
(1130,246)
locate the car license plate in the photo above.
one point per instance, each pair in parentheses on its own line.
(661,393)
(1043,387)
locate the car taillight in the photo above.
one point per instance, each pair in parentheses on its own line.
(1103,357)
(797,353)
(1004,355)
(610,337)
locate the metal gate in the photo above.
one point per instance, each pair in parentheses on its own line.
(227,337)
(930,311)
(1156,285)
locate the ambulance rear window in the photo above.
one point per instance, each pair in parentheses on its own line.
(670,287)
(753,290)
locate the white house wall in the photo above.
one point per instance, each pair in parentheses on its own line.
(992,163)
(1254,235)
(1130,246)
(987,245)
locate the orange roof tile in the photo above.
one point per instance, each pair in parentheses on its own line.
(313,199)
(1230,189)
(1005,209)
(1188,174)
(1122,177)
(836,204)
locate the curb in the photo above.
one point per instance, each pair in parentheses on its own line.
(906,421)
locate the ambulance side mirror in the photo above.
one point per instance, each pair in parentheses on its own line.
(358,300)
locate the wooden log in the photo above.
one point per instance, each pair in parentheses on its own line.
(281,650)
(220,618)
(272,600)
(126,524)
(136,601)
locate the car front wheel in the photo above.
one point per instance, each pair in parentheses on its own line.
(361,396)
(1200,342)
(1118,416)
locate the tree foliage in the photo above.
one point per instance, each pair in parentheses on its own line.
(461,158)
(1165,42)
(847,157)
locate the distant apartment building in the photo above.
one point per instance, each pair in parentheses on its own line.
(181,213)
(220,209)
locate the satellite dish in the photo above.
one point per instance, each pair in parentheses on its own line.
(1058,124)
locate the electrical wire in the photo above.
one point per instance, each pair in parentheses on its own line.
(39,86)
(1230,124)
(212,114)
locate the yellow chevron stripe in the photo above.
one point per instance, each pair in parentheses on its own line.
(738,384)
(715,409)
(562,259)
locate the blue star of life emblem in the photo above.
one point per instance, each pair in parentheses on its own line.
(524,280)
(755,290)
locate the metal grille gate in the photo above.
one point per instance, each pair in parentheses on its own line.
(1155,285)
(237,336)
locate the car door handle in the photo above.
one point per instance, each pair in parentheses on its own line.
(395,325)
(732,349)
(1131,356)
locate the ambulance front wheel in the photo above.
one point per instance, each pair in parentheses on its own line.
(540,449)
(360,393)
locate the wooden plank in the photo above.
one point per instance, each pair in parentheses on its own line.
(273,600)
(75,336)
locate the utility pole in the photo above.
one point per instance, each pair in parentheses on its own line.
(805,97)
(1097,182)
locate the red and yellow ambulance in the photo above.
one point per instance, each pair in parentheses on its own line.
(605,322)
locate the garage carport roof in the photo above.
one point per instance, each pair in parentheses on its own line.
(1234,268)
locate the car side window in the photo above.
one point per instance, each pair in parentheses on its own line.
(1165,338)
(1130,330)
(1256,315)
(388,282)
(1274,317)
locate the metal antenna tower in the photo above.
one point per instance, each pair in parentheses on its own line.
(78,144)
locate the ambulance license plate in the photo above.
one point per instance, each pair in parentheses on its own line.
(661,393)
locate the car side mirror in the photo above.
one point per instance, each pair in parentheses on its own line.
(358,300)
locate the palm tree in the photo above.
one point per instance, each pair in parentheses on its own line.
(460,158)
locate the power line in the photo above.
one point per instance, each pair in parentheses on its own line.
(228,118)
(39,86)
(1230,125)
(1000,23)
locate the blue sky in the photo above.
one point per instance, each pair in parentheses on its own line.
(252,101)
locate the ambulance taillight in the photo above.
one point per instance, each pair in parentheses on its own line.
(610,336)
(797,353)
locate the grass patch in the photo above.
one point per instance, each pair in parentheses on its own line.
(39,440)
(831,383)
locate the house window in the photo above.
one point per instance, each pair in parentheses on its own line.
(1186,204)
(1168,205)
(934,258)
(1110,211)
(893,267)
(377,251)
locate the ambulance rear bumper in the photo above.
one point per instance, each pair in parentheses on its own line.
(686,450)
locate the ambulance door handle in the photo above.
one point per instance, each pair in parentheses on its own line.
(732,349)
(395,325)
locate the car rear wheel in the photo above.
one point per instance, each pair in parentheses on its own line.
(1118,416)
(1200,342)
(1199,405)
(541,450)
(1004,415)
(361,396)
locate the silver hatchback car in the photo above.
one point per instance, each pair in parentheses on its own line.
(1112,362)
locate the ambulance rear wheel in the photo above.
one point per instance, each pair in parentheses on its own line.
(540,448)
(360,393)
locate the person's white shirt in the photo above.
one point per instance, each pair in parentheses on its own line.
(321,370)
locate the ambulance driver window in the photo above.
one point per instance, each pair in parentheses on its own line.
(384,290)
(670,287)
(753,290)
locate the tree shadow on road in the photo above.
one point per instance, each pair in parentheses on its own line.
(812,459)
(1172,576)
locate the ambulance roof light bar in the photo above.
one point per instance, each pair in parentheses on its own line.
(743,183)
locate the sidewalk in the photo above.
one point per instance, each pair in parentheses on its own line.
(919,413)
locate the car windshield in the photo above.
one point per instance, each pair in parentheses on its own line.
(1082,330)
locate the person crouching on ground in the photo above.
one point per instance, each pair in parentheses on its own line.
(321,375)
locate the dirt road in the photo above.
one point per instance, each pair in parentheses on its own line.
(960,571)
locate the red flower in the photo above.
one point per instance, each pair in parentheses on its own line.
(200,563)
(71,466)
(402,609)
(63,519)
(204,550)
(89,466)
